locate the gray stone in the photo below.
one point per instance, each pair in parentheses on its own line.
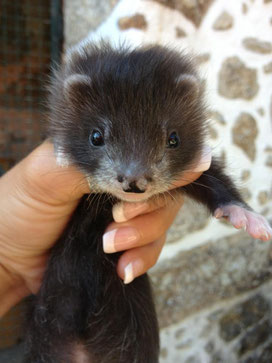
(192,359)
(217,358)
(209,347)
(268,161)
(192,9)
(252,358)
(202,58)
(136,21)
(270,109)
(202,329)
(212,132)
(184,345)
(163,353)
(254,337)
(83,16)
(245,175)
(217,116)
(263,197)
(268,68)
(260,111)
(179,333)
(197,278)
(265,212)
(266,354)
(223,22)
(257,46)
(180,33)
(246,193)
(242,316)
(230,327)
(244,134)
(192,217)
(244,8)
(223,157)
(236,80)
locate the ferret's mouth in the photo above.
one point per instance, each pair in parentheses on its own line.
(132,197)
(122,195)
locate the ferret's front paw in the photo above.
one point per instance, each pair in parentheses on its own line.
(255,224)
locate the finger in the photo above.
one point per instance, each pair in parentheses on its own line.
(137,261)
(141,230)
(125,211)
(185,178)
(202,164)
(47,180)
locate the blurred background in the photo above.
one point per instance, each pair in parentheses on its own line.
(213,284)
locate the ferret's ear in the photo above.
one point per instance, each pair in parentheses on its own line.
(189,85)
(76,86)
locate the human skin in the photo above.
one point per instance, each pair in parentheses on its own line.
(37,198)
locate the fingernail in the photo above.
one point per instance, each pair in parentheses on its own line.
(119,239)
(128,274)
(122,212)
(205,160)
(132,270)
(218,213)
(118,212)
(268,235)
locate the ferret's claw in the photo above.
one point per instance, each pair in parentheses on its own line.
(255,224)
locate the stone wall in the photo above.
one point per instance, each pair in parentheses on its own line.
(212,283)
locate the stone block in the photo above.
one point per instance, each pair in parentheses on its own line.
(243,316)
(223,22)
(207,274)
(236,80)
(194,10)
(244,134)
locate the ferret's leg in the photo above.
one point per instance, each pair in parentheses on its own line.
(218,193)
(255,224)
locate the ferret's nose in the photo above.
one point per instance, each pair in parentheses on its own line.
(133,188)
(130,185)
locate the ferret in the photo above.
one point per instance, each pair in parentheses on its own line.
(132,121)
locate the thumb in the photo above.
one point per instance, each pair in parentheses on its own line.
(45,180)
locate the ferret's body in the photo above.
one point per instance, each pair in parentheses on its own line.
(132,122)
(83,308)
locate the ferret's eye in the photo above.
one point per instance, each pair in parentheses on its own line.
(96,138)
(173,140)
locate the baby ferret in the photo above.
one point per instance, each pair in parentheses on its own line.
(133,121)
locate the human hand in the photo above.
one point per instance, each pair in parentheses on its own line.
(140,229)
(38,198)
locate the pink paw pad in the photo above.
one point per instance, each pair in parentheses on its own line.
(255,224)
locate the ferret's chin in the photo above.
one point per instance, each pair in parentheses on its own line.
(133,197)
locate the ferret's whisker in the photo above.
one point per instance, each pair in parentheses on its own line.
(195,183)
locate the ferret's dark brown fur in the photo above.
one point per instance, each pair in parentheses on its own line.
(132,121)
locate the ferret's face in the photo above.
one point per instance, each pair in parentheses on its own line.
(132,138)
